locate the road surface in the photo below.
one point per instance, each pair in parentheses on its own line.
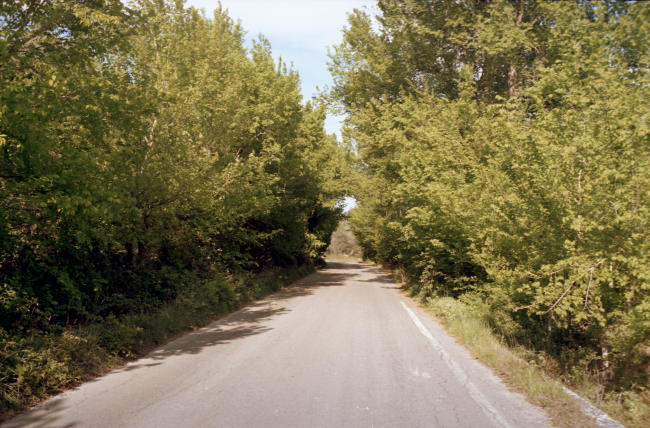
(343,347)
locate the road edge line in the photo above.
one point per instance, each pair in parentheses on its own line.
(603,420)
(476,395)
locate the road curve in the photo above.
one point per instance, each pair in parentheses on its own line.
(343,347)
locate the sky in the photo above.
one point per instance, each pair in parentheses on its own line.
(300,31)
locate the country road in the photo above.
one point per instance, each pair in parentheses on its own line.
(343,347)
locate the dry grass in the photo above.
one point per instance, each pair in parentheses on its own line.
(526,373)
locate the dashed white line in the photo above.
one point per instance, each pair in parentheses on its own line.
(476,395)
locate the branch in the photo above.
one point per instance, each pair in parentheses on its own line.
(591,275)
(554,305)
(150,141)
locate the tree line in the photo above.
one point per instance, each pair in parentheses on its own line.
(503,159)
(143,141)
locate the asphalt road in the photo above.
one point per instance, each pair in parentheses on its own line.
(343,347)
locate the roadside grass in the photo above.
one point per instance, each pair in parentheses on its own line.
(528,379)
(630,408)
(534,373)
(524,370)
(33,368)
(530,373)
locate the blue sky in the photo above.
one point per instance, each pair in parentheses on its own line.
(300,31)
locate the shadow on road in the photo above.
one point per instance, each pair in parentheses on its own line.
(250,320)
(381,277)
(45,417)
(345,265)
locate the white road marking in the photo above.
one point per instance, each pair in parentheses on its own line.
(602,419)
(476,395)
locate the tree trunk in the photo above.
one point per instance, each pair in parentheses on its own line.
(512,72)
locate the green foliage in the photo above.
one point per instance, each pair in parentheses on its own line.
(503,154)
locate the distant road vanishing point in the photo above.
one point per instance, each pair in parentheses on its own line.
(343,347)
